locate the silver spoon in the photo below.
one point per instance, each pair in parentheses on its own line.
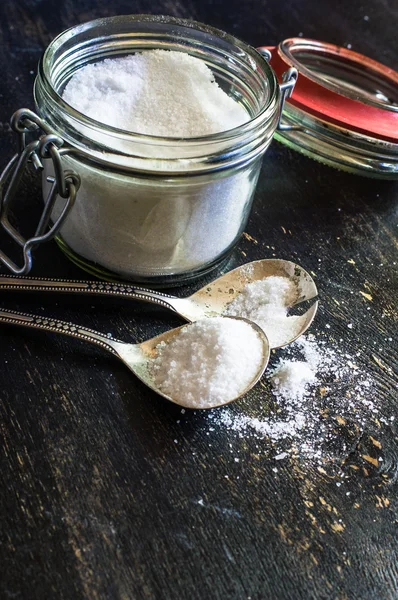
(211,300)
(137,357)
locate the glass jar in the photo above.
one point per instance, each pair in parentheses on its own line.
(154,209)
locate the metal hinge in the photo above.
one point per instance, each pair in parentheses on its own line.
(289,79)
(65,184)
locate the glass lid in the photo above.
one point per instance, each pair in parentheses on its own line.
(344,108)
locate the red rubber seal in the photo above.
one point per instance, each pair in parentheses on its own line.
(323,99)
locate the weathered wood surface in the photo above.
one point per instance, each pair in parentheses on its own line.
(108,492)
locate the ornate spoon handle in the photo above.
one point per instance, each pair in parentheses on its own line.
(98,288)
(56,326)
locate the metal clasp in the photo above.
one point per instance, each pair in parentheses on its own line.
(289,79)
(65,184)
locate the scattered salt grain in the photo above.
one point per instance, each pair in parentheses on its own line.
(265,302)
(209,362)
(281,456)
(314,385)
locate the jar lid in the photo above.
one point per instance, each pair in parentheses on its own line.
(342,101)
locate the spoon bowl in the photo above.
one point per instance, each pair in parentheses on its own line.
(137,357)
(209,301)
(140,362)
(214,298)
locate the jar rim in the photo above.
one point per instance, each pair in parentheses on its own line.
(252,123)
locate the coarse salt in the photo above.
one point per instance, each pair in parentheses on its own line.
(209,362)
(291,378)
(147,227)
(157,92)
(266,302)
(311,382)
(281,456)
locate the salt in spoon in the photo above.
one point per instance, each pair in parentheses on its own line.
(211,300)
(137,357)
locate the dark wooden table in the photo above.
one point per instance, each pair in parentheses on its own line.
(109,492)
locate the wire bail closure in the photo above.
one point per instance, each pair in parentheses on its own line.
(289,79)
(65,184)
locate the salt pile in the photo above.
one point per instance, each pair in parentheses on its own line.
(312,384)
(209,362)
(153,226)
(157,92)
(291,378)
(265,302)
